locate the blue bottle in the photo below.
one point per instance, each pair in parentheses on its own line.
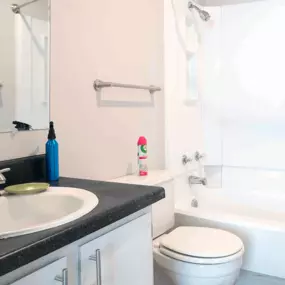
(52,161)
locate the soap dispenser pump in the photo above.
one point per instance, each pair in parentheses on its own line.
(52,160)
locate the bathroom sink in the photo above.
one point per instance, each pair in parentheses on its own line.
(57,206)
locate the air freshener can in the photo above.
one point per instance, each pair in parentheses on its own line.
(142,157)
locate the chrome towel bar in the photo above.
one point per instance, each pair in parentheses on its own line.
(99,84)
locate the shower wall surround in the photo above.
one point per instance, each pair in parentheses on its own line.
(244,99)
(183,132)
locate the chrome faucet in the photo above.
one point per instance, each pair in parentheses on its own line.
(186,159)
(2,177)
(198,156)
(194,180)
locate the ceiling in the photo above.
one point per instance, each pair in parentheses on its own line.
(223,2)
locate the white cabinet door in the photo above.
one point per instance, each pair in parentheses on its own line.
(124,256)
(52,274)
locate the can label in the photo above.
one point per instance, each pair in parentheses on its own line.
(143,170)
(142,151)
(142,160)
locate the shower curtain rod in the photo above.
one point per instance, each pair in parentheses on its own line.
(17,8)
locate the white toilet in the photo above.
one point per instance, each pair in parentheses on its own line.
(188,255)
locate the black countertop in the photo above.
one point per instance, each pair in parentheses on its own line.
(116,201)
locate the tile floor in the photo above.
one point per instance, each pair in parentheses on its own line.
(251,278)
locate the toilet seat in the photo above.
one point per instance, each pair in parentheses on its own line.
(201,245)
(200,260)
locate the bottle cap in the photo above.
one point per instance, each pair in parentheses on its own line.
(142,141)
(51,133)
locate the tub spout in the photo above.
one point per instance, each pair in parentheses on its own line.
(194,180)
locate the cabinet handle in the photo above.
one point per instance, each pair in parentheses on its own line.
(97,258)
(63,278)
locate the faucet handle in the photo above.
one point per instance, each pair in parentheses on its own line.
(204,181)
(186,159)
(198,156)
(5,170)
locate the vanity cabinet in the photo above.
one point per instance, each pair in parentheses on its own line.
(120,257)
(52,274)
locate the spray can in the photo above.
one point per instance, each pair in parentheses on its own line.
(52,164)
(142,156)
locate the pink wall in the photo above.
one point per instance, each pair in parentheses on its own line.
(114,41)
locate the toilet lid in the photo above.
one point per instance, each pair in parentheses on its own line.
(202,242)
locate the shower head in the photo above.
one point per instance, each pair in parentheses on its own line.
(204,15)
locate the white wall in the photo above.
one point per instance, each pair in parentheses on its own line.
(183,121)
(240,120)
(249,117)
(114,41)
(253,85)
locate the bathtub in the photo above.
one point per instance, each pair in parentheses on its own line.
(258,218)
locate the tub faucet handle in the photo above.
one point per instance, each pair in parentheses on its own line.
(204,181)
(186,159)
(199,156)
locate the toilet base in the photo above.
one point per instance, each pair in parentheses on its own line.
(165,277)
(168,271)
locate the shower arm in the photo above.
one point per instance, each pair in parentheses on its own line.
(17,8)
(204,15)
(192,6)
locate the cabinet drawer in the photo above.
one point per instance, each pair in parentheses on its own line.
(46,275)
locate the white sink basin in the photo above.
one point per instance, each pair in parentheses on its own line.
(33,213)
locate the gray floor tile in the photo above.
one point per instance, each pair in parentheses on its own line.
(251,278)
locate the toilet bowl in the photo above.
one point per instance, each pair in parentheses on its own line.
(188,255)
(199,256)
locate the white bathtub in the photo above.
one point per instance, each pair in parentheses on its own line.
(256,217)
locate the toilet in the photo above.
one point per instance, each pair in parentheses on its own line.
(188,255)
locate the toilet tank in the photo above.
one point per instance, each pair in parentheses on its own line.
(163,210)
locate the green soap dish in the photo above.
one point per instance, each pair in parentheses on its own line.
(27,188)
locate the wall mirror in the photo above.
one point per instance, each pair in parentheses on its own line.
(24,65)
